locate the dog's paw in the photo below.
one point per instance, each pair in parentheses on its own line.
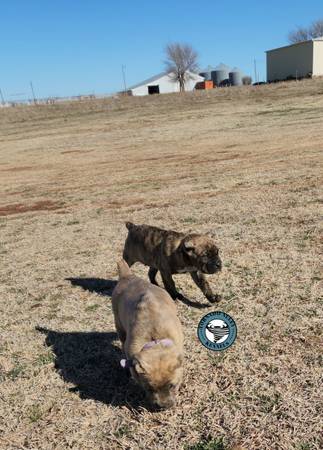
(215,298)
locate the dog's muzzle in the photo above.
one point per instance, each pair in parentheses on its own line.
(212,267)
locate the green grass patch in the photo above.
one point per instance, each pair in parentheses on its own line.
(45,358)
(34,413)
(16,372)
(189,220)
(92,308)
(208,444)
(268,403)
(304,446)
(124,430)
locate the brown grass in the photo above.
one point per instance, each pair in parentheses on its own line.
(244,164)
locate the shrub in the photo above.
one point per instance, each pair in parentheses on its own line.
(246,80)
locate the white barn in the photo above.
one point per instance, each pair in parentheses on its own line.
(298,60)
(164,84)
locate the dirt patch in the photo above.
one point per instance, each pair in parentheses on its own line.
(163,157)
(76,151)
(131,205)
(116,204)
(150,206)
(27,168)
(18,169)
(19,208)
(217,160)
(17,192)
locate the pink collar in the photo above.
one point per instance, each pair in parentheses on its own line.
(165,342)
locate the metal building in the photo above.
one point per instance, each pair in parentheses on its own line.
(298,60)
(164,84)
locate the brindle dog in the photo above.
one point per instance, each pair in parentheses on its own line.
(171,252)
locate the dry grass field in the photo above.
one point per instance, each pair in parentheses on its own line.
(243,164)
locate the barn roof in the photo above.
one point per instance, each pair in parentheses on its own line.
(157,77)
(149,80)
(296,43)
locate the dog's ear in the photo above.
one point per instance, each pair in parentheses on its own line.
(188,246)
(123,269)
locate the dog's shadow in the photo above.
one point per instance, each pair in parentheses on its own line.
(105,287)
(192,304)
(98,285)
(90,360)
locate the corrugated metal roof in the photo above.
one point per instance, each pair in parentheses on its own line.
(296,43)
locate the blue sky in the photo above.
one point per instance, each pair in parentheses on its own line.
(68,47)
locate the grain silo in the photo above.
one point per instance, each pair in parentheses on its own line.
(206,73)
(235,77)
(220,74)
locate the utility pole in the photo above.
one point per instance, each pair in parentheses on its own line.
(2,98)
(32,90)
(255,66)
(123,68)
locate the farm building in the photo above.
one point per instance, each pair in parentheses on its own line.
(163,84)
(298,60)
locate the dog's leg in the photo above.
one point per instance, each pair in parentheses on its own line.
(169,284)
(152,275)
(200,280)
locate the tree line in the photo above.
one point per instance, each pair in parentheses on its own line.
(301,34)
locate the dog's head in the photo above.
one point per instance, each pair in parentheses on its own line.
(159,371)
(201,252)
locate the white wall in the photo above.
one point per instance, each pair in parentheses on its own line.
(166,85)
(318,58)
(286,61)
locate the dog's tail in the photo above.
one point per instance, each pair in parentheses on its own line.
(130,225)
(123,269)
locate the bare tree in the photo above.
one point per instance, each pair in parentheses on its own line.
(180,60)
(299,35)
(304,34)
(316,29)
